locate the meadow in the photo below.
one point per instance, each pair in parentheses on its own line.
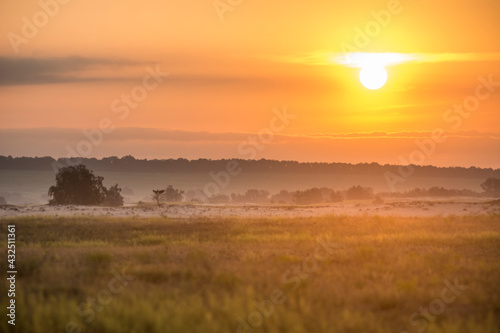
(315,274)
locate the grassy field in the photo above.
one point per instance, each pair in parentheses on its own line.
(329,274)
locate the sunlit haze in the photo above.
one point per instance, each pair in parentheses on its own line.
(355,81)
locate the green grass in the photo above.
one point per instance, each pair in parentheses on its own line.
(203,275)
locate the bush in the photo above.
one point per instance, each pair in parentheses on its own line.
(172,194)
(251,196)
(282,197)
(77,185)
(3,201)
(431,192)
(359,192)
(113,197)
(307,197)
(491,187)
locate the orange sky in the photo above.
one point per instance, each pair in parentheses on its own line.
(225,77)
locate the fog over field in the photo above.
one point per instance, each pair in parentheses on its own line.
(29,185)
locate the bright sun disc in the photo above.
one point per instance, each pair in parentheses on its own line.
(373,76)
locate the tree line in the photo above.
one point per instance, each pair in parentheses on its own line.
(77,185)
(129,163)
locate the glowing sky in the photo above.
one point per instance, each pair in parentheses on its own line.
(230,66)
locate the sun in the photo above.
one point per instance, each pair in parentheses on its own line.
(373,76)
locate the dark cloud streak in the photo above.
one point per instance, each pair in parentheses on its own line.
(27,71)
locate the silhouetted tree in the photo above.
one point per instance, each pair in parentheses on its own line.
(282,197)
(113,197)
(433,191)
(492,187)
(157,195)
(172,194)
(359,192)
(308,197)
(251,196)
(77,185)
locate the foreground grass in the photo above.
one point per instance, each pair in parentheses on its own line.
(207,275)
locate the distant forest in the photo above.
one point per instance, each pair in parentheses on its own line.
(131,164)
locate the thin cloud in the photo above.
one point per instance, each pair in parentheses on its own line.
(35,71)
(325,58)
(152,134)
(406,135)
(26,71)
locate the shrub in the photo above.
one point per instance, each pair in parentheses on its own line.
(359,192)
(113,197)
(172,194)
(251,196)
(491,187)
(308,197)
(282,197)
(77,185)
